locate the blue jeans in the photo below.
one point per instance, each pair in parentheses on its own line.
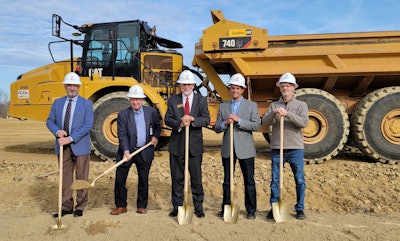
(295,157)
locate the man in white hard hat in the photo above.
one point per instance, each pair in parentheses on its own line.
(295,113)
(245,118)
(70,120)
(137,126)
(187,109)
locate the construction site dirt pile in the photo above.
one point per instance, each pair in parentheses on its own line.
(347,198)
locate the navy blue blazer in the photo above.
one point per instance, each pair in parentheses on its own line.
(82,123)
(127,134)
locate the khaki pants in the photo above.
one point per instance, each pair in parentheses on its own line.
(79,164)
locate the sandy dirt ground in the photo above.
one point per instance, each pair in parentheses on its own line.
(347,198)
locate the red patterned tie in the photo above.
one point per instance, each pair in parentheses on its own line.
(67,117)
(187,108)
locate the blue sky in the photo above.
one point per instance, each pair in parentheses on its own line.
(26,24)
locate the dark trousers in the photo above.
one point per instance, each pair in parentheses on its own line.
(250,196)
(79,165)
(177,168)
(120,190)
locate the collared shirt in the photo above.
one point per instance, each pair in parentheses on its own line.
(235,105)
(140,127)
(190,104)
(190,100)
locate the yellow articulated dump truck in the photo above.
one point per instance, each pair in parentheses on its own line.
(112,57)
(350,81)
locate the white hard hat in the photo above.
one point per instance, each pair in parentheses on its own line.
(287,78)
(186,77)
(136,92)
(237,79)
(72,79)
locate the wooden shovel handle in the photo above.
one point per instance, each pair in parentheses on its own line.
(281,156)
(121,161)
(231,167)
(61,167)
(186,171)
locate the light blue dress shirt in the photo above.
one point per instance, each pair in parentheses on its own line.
(140,127)
(235,110)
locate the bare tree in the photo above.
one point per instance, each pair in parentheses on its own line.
(4,102)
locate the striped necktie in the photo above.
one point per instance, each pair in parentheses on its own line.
(67,117)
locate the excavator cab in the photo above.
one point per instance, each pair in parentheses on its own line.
(125,49)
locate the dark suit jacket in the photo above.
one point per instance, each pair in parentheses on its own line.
(127,132)
(82,123)
(173,117)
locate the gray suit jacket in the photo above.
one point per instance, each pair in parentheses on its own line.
(243,141)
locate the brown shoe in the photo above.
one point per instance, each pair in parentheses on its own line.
(141,210)
(118,211)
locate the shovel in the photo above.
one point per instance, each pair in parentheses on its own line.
(185,212)
(231,212)
(280,210)
(59,225)
(82,184)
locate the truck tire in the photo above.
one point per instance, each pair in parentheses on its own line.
(376,125)
(104,137)
(328,125)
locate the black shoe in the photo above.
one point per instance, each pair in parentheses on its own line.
(220,214)
(251,216)
(199,213)
(174,212)
(78,213)
(300,215)
(63,213)
(270,215)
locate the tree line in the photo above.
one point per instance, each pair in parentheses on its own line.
(4,102)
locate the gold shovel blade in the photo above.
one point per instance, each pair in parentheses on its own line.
(185,214)
(231,213)
(280,211)
(59,225)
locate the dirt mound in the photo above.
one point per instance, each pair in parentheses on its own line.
(347,198)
